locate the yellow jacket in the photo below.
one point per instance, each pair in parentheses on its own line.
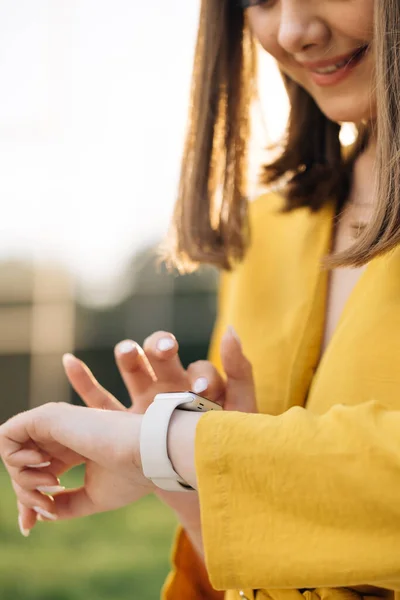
(305,504)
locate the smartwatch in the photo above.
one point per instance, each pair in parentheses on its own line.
(154,433)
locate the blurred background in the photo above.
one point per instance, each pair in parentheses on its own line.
(93,108)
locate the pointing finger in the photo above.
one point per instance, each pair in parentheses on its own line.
(206,381)
(161,349)
(86,385)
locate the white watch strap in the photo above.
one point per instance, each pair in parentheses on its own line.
(153,444)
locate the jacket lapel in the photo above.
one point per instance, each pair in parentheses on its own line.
(276,299)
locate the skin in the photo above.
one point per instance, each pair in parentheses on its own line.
(293,31)
(146,372)
(298,31)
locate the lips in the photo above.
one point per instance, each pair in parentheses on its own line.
(336,70)
(332,64)
(347,62)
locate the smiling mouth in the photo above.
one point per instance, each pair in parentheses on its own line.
(347,62)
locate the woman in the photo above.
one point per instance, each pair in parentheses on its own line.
(305,503)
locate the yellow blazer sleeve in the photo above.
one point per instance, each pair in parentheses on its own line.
(301,501)
(188,578)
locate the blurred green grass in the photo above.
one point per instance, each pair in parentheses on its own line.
(114,556)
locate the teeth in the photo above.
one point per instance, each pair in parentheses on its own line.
(332,68)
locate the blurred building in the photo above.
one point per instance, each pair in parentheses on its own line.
(37,315)
(42,317)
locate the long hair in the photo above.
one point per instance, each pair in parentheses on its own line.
(210,219)
(210,223)
(383,232)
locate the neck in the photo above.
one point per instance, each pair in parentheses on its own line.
(370,150)
(363,174)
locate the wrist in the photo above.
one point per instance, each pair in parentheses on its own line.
(181,444)
(167,439)
(136,458)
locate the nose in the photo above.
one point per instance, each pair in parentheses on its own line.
(301,27)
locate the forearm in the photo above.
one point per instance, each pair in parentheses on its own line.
(301,500)
(181,453)
(181,444)
(187,510)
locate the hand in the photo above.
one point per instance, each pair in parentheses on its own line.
(62,436)
(157,369)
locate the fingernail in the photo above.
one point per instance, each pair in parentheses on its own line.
(125,347)
(50,489)
(40,465)
(165,344)
(24,532)
(200,385)
(45,513)
(233,333)
(69,360)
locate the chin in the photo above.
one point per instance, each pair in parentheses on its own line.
(350,111)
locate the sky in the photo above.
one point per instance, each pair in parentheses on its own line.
(92,117)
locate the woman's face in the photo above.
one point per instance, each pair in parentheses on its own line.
(326,47)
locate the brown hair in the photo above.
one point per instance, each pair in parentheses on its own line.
(383,232)
(210,220)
